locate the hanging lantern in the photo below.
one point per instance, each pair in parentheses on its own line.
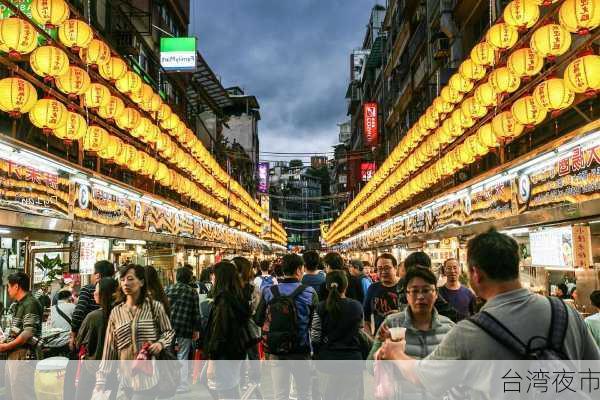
(504,81)
(17,96)
(483,54)
(528,112)
(165,146)
(112,148)
(74,83)
(129,83)
(75,34)
(189,139)
(460,119)
(553,94)
(162,172)
(128,119)
(465,154)
(472,109)
(478,148)
(506,127)
(550,41)
(471,70)
(442,107)
(521,14)
(502,36)
(164,112)
(525,62)
(179,131)
(460,84)
(49,62)
(451,128)
(48,115)
(431,118)
(95,139)
(133,159)
(579,16)
(96,96)
(113,70)
(112,109)
(17,37)
(485,135)
(148,165)
(49,13)
(73,129)
(153,104)
(486,96)
(139,130)
(582,75)
(97,53)
(170,123)
(124,155)
(450,95)
(151,134)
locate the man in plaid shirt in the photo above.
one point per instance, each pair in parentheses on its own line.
(185,319)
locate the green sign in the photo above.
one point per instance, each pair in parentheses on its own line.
(178,53)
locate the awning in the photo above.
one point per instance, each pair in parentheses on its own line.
(375,58)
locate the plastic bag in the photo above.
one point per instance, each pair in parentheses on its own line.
(385,386)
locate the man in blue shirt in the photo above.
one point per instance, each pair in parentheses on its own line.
(314,275)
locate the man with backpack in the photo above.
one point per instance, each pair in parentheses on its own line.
(514,324)
(264,280)
(285,314)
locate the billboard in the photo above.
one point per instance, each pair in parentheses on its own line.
(178,53)
(263,177)
(370,124)
(367,169)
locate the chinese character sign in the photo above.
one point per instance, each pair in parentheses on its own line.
(582,246)
(367,169)
(263,177)
(370,124)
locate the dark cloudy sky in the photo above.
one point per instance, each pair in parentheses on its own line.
(293,55)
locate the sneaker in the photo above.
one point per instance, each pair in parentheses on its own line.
(182,390)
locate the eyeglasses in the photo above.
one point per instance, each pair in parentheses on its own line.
(384,269)
(424,291)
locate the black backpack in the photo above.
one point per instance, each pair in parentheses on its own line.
(280,334)
(551,347)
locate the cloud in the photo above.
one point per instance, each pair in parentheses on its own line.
(292,55)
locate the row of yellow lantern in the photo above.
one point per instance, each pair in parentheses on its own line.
(19,36)
(548,41)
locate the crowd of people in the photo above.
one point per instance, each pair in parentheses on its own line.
(297,308)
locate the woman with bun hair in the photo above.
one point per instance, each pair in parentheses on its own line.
(335,336)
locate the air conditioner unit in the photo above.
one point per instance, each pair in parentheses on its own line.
(441,48)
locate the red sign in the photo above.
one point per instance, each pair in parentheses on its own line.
(367,169)
(370,119)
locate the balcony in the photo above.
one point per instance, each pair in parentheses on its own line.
(417,39)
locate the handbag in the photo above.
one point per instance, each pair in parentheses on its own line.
(169,368)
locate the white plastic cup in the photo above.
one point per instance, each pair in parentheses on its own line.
(398,333)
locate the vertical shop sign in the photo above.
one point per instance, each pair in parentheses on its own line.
(263,177)
(370,124)
(582,246)
(74,255)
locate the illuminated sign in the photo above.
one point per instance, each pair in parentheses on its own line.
(263,177)
(370,123)
(178,53)
(367,169)
(552,247)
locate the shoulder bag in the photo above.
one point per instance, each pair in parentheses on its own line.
(168,366)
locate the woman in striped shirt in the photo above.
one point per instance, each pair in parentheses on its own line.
(136,321)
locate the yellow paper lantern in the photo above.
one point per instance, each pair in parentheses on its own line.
(48,114)
(132,158)
(148,165)
(451,128)
(75,34)
(522,14)
(162,172)
(164,112)
(179,131)
(579,16)
(471,70)
(460,84)
(487,137)
(465,154)
(525,62)
(462,120)
(151,134)
(124,154)
(112,149)
(17,96)
(165,146)
(140,129)
(441,106)
(502,36)
(113,108)
(485,95)
(50,13)
(49,62)
(95,139)
(553,94)
(449,95)
(97,53)
(472,109)
(74,83)
(96,96)
(478,148)
(17,37)
(189,139)
(170,123)
(506,127)
(504,81)
(550,40)
(583,74)
(153,104)
(73,129)
(483,54)
(113,70)
(128,119)
(527,111)
(143,95)
(129,83)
